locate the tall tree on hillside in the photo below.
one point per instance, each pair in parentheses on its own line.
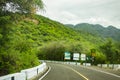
(23,6)
(108,50)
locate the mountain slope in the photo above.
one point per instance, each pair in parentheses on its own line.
(109,32)
(22,36)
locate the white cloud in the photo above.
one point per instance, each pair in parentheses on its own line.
(77,11)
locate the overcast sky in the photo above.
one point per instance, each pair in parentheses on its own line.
(104,12)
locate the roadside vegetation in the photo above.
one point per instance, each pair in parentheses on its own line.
(25,38)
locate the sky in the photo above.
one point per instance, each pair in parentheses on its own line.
(104,12)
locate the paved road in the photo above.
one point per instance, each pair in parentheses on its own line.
(73,72)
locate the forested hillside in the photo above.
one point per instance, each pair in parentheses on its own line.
(25,38)
(99,30)
(22,36)
(110,46)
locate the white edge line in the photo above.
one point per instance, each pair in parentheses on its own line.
(108,73)
(104,72)
(45,73)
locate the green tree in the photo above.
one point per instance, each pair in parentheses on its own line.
(8,59)
(23,6)
(108,50)
(53,51)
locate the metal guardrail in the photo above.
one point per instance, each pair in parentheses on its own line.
(25,74)
(112,66)
(67,62)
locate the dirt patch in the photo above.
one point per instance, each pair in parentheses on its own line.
(32,20)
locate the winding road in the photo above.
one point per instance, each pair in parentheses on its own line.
(74,72)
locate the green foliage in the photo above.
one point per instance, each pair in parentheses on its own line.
(99,58)
(24,37)
(4,20)
(28,59)
(16,49)
(23,6)
(98,30)
(8,59)
(53,51)
(111,51)
(1,36)
(74,46)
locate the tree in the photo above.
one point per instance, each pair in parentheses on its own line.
(22,6)
(53,51)
(108,50)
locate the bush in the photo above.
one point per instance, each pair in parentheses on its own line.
(53,51)
(15,59)
(9,61)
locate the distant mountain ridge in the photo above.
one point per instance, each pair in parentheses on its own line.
(97,29)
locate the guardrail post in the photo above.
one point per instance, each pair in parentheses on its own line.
(108,65)
(101,65)
(113,66)
(12,78)
(37,71)
(26,74)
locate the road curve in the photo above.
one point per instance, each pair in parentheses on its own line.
(73,72)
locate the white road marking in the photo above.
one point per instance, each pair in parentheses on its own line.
(77,72)
(103,72)
(45,73)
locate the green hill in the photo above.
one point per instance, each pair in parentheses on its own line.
(26,38)
(99,30)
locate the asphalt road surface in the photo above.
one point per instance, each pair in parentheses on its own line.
(74,72)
